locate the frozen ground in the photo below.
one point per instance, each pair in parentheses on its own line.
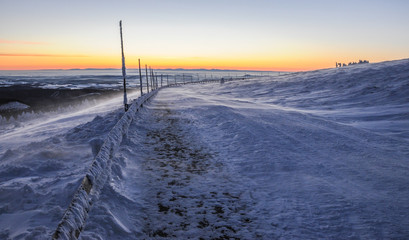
(315,155)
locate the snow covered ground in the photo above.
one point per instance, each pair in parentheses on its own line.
(313,155)
(37,127)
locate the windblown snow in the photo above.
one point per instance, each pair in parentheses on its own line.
(309,155)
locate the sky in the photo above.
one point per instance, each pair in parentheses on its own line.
(276,35)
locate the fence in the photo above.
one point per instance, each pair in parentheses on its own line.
(75,216)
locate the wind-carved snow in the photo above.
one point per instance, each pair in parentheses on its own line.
(74,218)
(38,180)
(314,155)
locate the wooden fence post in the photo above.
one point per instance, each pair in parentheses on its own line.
(152,85)
(147,78)
(140,75)
(123,68)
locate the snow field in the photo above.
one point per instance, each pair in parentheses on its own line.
(42,166)
(308,176)
(314,155)
(39,179)
(30,127)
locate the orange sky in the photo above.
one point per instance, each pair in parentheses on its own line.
(282,62)
(48,61)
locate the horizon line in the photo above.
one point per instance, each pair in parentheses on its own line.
(167,69)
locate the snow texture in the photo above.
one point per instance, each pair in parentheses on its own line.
(74,218)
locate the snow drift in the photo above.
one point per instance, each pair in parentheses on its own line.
(74,218)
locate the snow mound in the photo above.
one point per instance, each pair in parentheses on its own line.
(12,106)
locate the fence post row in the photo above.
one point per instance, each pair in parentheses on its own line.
(153,84)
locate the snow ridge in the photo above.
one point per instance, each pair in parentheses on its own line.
(74,218)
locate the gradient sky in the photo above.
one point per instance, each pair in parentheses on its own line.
(228,34)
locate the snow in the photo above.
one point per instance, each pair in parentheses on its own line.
(310,155)
(89,191)
(13,106)
(39,126)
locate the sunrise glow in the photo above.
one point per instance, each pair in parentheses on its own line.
(261,35)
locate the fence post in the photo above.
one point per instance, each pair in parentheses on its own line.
(150,71)
(147,79)
(161,80)
(140,75)
(153,78)
(123,68)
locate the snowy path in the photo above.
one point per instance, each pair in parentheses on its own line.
(200,164)
(188,194)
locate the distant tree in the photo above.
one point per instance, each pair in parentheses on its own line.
(337,64)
